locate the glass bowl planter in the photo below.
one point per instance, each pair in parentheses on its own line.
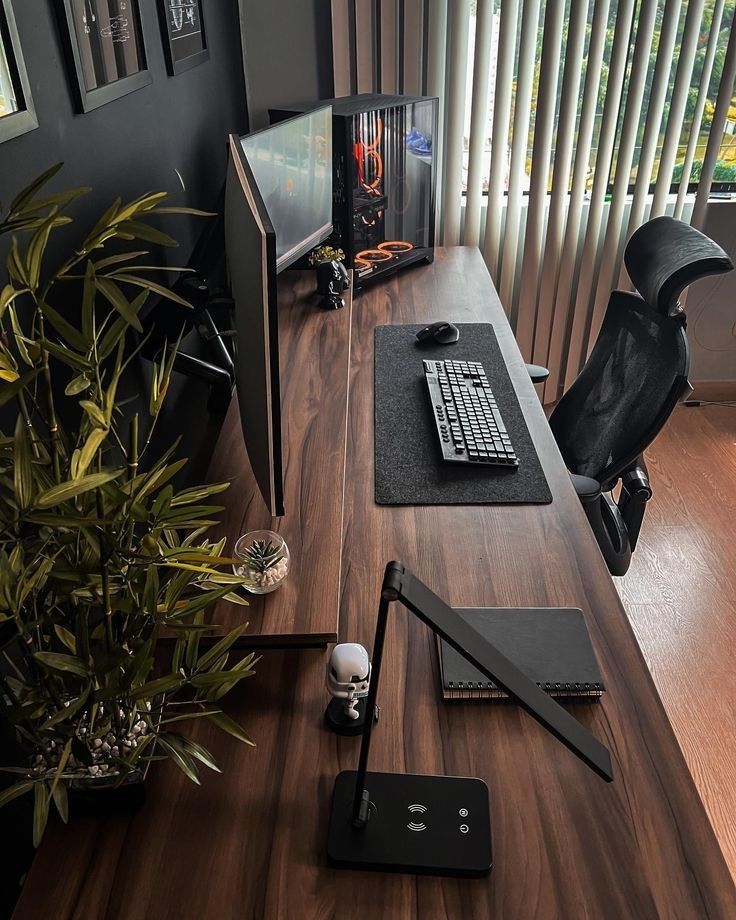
(265,560)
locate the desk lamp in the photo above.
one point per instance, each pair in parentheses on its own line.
(435,825)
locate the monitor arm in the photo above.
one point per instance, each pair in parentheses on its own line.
(217,368)
(400,585)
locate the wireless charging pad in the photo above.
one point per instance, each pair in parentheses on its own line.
(431,825)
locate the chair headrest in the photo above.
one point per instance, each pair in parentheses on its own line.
(665,255)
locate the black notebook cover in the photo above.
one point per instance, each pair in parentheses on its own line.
(550,645)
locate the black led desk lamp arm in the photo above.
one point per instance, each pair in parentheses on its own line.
(354,841)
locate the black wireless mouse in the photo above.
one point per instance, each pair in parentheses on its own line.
(443,333)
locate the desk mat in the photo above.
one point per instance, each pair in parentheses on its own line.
(408,465)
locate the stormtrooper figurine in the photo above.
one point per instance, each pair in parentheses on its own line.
(348,680)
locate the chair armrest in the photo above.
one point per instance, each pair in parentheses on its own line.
(588,490)
(636,480)
(635,493)
(538,373)
(606,522)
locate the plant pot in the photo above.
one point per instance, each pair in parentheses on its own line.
(89,797)
(262,581)
(103,792)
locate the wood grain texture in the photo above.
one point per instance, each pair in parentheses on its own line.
(251,842)
(314,348)
(680,594)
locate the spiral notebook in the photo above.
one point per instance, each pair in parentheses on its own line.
(551,645)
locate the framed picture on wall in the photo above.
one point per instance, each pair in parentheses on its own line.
(106,50)
(185,38)
(17,115)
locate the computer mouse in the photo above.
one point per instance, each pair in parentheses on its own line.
(443,333)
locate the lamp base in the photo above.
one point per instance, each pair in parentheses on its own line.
(429,825)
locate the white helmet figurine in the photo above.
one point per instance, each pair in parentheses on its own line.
(348,675)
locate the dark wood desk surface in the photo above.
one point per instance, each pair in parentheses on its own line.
(314,352)
(251,842)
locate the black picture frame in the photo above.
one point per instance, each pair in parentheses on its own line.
(194,49)
(24,120)
(96,51)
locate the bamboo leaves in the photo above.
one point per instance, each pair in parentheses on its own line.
(22,468)
(88,301)
(100,552)
(8,369)
(228,725)
(65,329)
(13,792)
(159,289)
(160,380)
(68,490)
(18,386)
(81,459)
(95,414)
(56,661)
(77,385)
(40,811)
(8,295)
(22,199)
(37,248)
(115,296)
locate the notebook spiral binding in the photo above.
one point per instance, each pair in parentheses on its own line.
(482,692)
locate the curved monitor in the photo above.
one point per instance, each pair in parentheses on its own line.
(278,206)
(291,163)
(251,250)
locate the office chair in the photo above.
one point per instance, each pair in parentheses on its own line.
(635,376)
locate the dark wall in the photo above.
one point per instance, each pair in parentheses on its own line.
(136,143)
(288,53)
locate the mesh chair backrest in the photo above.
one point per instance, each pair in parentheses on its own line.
(633,379)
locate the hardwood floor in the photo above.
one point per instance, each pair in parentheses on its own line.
(680,594)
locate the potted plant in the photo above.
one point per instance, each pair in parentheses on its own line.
(106,574)
(263,559)
(325,253)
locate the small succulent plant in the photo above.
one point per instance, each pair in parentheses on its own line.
(263,555)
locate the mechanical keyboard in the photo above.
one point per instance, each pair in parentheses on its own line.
(469,425)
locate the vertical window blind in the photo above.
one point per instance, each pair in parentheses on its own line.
(565,124)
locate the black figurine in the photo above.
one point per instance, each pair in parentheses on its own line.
(332,282)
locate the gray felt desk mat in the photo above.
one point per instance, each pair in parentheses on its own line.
(408,465)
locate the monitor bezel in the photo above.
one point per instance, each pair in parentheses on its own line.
(275,500)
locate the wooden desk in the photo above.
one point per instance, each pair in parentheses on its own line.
(251,842)
(314,357)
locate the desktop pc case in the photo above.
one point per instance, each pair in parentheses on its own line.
(384,182)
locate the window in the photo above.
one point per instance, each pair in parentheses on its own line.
(725,171)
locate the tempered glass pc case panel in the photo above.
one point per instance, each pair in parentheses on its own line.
(384,182)
(392,178)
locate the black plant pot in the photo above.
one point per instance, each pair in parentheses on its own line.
(100,796)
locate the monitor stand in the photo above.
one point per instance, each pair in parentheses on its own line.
(429,825)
